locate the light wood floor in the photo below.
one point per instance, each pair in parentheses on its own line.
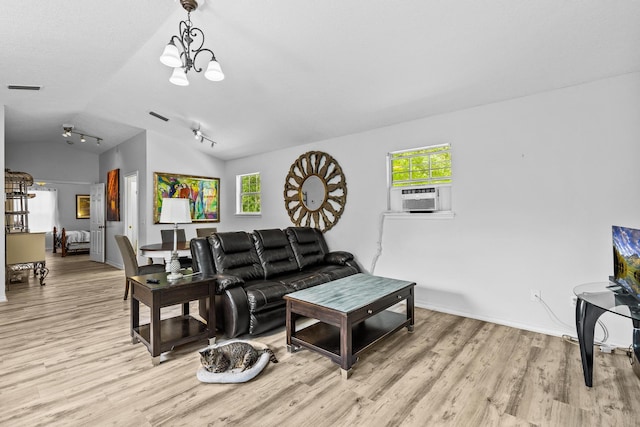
(66,358)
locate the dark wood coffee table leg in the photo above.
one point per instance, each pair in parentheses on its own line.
(290,320)
(346,348)
(410,311)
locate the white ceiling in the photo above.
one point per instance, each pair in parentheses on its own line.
(297,71)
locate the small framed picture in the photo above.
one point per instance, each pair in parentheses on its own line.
(83,206)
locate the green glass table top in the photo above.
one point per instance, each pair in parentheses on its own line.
(350,293)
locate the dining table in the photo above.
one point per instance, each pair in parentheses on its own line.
(164,250)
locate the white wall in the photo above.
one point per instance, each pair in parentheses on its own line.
(538,183)
(182,157)
(129,157)
(60,166)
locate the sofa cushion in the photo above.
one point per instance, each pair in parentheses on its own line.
(202,258)
(338,257)
(265,295)
(302,280)
(233,242)
(334,272)
(234,254)
(306,245)
(274,251)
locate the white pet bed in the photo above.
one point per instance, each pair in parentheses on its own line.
(235,375)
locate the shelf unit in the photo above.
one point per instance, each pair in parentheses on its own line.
(16,201)
(23,250)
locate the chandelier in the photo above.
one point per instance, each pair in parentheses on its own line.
(183,62)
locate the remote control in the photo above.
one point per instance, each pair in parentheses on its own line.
(153,281)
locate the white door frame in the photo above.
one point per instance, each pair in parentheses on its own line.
(97,222)
(131,209)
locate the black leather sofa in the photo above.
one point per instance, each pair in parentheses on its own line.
(255,270)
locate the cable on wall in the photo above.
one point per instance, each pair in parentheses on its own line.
(379,243)
(573,338)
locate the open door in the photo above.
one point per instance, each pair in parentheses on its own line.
(131,209)
(98,210)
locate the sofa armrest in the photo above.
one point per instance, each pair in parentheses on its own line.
(227,281)
(338,257)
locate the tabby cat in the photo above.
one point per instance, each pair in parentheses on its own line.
(233,355)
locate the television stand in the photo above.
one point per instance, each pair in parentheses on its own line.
(594,299)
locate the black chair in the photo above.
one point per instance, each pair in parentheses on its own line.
(131,267)
(167,237)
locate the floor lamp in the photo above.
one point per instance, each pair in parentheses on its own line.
(175,211)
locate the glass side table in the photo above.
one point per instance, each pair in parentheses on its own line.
(594,299)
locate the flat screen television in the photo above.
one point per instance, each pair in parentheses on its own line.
(626,259)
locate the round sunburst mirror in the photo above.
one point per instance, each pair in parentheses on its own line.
(315,191)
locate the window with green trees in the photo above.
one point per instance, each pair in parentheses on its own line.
(248,189)
(421,166)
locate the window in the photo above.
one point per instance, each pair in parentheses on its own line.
(43,209)
(248,193)
(421,166)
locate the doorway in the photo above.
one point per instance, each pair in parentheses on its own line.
(131,209)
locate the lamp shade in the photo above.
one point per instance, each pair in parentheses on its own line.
(214,71)
(171,56)
(179,77)
(175,211)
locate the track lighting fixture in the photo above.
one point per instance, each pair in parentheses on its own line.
(67,131)
(197,133)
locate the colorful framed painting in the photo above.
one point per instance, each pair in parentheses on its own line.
(83,206)
(203,194)
(113,195)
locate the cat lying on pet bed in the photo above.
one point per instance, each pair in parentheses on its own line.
(233,361)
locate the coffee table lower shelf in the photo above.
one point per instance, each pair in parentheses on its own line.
(325,338)
(173,331)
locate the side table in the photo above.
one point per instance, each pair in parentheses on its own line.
(594,299)
(162,335)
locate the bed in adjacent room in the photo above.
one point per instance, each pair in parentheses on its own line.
(71,241)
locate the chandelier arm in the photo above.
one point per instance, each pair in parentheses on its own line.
(213,56)
(194,32)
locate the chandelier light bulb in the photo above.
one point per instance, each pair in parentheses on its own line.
(82,138)
(214,71)
(179,77)
(171,56)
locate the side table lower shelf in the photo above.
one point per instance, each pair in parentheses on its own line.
(174,331)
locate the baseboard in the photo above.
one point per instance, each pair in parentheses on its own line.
(498,321)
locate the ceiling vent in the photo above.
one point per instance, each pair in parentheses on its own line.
(24,87)
(158,116)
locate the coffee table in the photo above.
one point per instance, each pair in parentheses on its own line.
(352,316)
(162,335)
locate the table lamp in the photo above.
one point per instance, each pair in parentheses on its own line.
(175,211)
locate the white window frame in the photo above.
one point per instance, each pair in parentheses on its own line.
(419,181)
(240,194)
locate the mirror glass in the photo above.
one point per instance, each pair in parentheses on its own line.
(313,192)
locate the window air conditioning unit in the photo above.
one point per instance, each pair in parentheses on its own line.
(417,200)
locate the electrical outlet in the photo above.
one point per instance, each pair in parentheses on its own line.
(534,294)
